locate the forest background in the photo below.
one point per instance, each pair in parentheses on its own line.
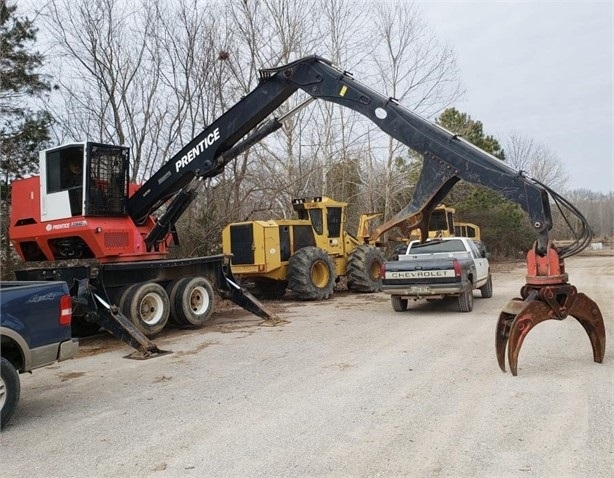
(152,74)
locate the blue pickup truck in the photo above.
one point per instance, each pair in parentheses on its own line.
(35,330)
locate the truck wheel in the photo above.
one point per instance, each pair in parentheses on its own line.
(191,301)
(364,269)
(486,289)
(399,304)
(465,301)
(147,306)
(311,274)
(10,389)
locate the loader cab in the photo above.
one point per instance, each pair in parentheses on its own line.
(327,220)
(442,221)
(84,179)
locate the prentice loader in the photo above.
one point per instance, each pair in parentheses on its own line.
(45,227)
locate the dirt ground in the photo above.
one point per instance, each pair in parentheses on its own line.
(345,388)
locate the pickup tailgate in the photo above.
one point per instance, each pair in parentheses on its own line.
(403,272)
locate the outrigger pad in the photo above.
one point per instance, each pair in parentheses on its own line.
(519,316)
(145,355)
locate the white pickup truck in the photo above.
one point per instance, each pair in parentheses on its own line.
(451,266)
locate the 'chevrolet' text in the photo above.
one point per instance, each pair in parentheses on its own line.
(196,150)
(418,274)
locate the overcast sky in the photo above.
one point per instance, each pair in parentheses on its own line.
(540,69)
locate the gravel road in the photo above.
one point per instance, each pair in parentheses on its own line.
(347,388)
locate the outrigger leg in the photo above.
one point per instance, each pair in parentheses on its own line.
(546,295)
(113,321)
(246,300)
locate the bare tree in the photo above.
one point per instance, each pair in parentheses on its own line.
(152,74)
(524,154)
(268,33)
(413,67)
(108,65)
(597,208)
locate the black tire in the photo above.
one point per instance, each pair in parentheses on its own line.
(171,291)
(465,301)
(10,389)
(147,306)
(399,304)
(311,274)
(270,289)
(364,269)
(486,289)
(191,301)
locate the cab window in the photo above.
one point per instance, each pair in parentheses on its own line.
(333,216)
(316,220)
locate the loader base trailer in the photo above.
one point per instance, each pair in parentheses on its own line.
(149,293)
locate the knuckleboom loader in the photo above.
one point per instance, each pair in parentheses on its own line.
(127,244)
(307,254)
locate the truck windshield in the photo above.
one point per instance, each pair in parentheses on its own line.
(430,247)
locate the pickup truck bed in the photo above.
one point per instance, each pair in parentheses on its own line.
(35,331)
(438,268)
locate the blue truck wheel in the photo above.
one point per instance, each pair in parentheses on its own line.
(10,389)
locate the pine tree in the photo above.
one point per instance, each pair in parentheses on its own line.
(24,130)
(504,226)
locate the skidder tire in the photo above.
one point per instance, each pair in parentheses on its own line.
(486,289)
(147,306)
(364,269)
(465,301)
(10,389)
(311,274)
(191,301)
(399,304)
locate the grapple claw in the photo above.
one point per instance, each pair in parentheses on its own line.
(587,312)
(546,295)
(534,312)
(504,324)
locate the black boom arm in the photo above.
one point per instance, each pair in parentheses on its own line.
(447,157)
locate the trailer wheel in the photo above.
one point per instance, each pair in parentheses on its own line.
(10,389)
(364,269)
(486,289)
(311,274)
(465,301)
(399,304)
(191,300)
(147,306)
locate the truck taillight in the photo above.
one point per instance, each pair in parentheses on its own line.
(382,270)
(65,310)
(457,268)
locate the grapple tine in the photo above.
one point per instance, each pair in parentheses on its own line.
(503,332)
(533,313)
(503,328)
(587,312)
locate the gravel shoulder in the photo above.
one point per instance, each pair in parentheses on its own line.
(347,388)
